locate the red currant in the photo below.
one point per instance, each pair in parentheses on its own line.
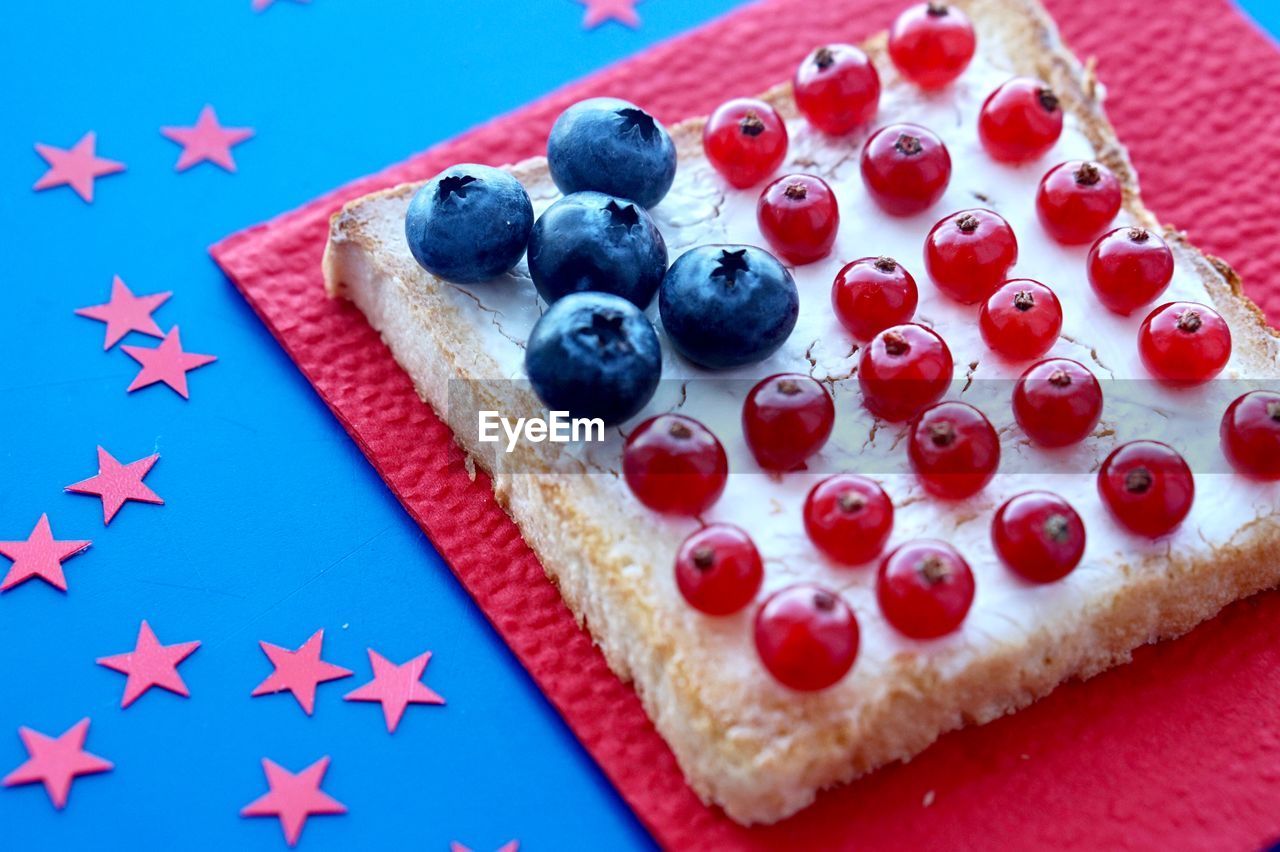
(718,569)
(931,43)
(1251,434)
(969,253)
(1039,536)
(746,140)
(873,293)
(837,88)
(848,518)
(903,369)
(1128,268)
(924,589)
(906,168)
(806,636)
(799,217)
(1020,120)
(1076,200)
(1021,320)
(1057,402)
(786,419)
(1184,343)
(953,449)
(674,464)
(1147,486)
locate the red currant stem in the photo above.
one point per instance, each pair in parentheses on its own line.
(850,503)
(1057,528)
(1138,481)
(823,601)
(796,191)
(1189,322)
(788,387)
(679,430)
(1139,235)
(968,223)
(908,144)
(1088,174)
(751,125)
(1060,378)
(704,558)
(942,434)
(937,10)
(824,58)
(896,344)
(1048,99)
(934,570)
(1024,300)
(886,264)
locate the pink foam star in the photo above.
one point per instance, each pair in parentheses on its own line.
(117,483)
(299,671)
(150,664)
(396,687)
(259,5)
(293,798)
(206,141)
(126,312)
(56,762)
(41,555)
(599,11)
(76,167)
(167,363)
(509,846)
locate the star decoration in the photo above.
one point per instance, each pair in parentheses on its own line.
(599,11)
(77,166)
(41,555)
(167,363)
(396,687)
(509,846)
(260,5)
(150,664)
(116,483)
(293,798)
(299,671)
(56,762)
(126,312)
(206,141)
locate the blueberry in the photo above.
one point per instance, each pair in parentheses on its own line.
(724,306)
(594,355)
(611,146)
(469,223)
(593,241)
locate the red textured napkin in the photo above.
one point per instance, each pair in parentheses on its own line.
(1180,749)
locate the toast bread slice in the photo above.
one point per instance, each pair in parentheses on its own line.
(745,743)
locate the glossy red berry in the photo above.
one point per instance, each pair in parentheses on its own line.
(1021,320)
(806,636)
(1251,434)
(848,518)
(873,293)
(799,217)
(905,168)
(954,450)
(1057,402)
(924,589)
(674,464)
(745,140)
(1184,343)
(1020,120)
(1076,200)
(786,419)
(968,254)
(903,369)
(837,88)
(1129,268)
(718,569)
(931,44)
(1039,536)
(1147,486)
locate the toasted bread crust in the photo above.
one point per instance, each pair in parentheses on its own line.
(764,756)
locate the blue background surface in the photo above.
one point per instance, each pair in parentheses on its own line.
(274,524)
